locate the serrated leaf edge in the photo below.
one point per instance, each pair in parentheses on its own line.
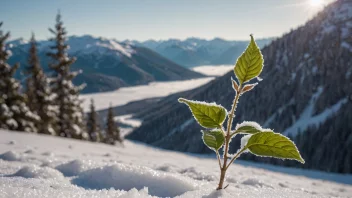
(283,158)
(204,131)
(252,40)
(183,100)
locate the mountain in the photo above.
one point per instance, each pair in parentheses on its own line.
(195,51)
(107,64)
(306,94)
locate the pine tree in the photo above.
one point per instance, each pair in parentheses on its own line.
(93,128)
(70,117)
(14,113)
(112,131)
(40,97)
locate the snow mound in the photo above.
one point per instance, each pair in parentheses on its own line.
(216,194)
(10,156)
(74,167)
(124,177)
(38,172)
(18,187)
(254,182)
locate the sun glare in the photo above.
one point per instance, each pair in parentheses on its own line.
(316,3)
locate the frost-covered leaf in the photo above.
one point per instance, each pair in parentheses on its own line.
(234,85)
(248,87)
(208,115)
(213,139)
(272,144)
(250,64)
(248,127)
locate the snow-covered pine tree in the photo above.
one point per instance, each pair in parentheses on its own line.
(93,127)
(70,117)
(40,96)
(14,113)
(112,131)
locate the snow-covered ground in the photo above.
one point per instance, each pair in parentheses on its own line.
(45,166)
(128,120)
(213,70)
(128,123)
(129,94)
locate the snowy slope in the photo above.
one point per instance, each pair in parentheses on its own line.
(44,166)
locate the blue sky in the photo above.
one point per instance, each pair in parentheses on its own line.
(157,19)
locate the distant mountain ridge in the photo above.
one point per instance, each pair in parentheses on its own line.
(106,63)
(196,51)
(306,93)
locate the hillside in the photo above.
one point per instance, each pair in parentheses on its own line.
(195,51)
(306,94)
(29,167)
(108,62)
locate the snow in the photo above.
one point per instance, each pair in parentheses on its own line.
(306,55)
(113,45)
(244,140)
(89,44)
(128,123)
(83,169)
(128,120)
(213,70)
(346,45)
(74,167)
(307,119)
(34,171)
(278,112)
(129,94)
(328,29)
(127,177)
(249,123)
(10,156)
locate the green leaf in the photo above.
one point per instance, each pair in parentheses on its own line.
(272,144)
(248,128)
(208,115)
(213,139)
(250,64)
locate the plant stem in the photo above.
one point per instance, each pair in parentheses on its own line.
(236,156)
(228,138)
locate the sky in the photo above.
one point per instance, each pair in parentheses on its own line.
(158,19)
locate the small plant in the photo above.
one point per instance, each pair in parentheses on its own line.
(259,141)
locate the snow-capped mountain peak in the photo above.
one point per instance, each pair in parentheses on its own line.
(105,63)
(90,44)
